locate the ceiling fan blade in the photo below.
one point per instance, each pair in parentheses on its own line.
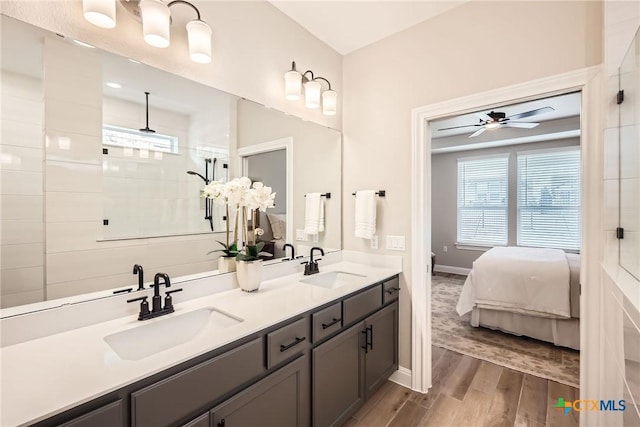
(531,113)
(460,127)
(483,116)
(520,125)
(478,132)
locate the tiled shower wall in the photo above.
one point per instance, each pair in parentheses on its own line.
(620,373)
(21,189)
(52,190)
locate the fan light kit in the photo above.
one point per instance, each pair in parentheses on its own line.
(294,82)
(497,119)
(156,22)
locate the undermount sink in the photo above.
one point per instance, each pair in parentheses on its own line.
(333,279)
(165,333)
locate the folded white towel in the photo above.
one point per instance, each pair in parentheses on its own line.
(314,214)
(365,225)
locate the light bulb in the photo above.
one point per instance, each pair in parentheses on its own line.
(199,34)
(101,13)
(312,94)
(155,22)
(492,125)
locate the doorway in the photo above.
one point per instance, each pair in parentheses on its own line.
(587,81)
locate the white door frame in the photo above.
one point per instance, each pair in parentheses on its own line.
(589,82)
(265,147)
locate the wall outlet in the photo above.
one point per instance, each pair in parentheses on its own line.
(301,236)
(445,249)
(374,242)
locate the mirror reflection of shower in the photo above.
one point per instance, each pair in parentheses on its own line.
(208,204)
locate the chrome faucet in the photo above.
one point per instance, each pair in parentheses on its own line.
(156,300)
(311,267)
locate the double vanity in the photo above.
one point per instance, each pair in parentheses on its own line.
(303,350)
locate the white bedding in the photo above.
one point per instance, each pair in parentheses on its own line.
(532,281)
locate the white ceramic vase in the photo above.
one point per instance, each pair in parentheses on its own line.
(226,264)
(249,274)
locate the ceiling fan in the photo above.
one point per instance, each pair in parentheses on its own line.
(496,119)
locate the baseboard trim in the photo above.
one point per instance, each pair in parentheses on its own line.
(452,270)
(402,376)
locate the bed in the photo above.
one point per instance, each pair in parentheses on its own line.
(533,292)
(274,227)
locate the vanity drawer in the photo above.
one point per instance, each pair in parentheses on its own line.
(390,290)
(286,342)
(359,306)
(327,321)
(167,401)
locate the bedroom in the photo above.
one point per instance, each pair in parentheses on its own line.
(505,177)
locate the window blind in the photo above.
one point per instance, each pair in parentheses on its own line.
(482,200)
(549,199)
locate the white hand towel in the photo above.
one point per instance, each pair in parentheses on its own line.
(365,225)
(313,214)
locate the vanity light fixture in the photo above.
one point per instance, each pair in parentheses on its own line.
(294,82)
(156,23)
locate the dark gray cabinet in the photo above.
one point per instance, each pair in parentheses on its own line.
(201,421)
(337,376)
(349,368)
(108,416)
(279,400)
(381,332)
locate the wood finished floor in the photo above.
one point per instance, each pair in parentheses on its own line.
(469,392)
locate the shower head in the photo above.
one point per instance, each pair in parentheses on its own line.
(196,173)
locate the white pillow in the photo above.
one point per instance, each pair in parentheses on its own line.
(278,225)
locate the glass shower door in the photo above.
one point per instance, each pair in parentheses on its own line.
(629,116)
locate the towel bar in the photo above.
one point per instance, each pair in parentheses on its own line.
(380,193)
(327,195)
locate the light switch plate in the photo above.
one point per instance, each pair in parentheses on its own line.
(396,243)
(374,242)
(301,236)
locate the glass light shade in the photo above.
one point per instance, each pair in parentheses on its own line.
(199,34)
(492,125)
(101,13)
(312,94)
(329,102)
(292,85)
(155,22)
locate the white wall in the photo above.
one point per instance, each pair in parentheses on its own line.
(446,57)
(253,46)
(21,190)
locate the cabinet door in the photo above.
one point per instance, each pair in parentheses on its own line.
(107,416)
(201,421)
(382,353)
(337,375)
(279,400)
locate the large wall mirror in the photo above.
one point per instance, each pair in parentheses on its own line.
(98,175)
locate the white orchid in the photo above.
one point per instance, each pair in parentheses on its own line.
(246,200)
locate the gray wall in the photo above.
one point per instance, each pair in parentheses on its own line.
(271,169)
(444,170)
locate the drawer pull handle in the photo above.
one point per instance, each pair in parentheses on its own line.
(366,340)
(330,324)
(370,329)
(392,290)
(288,346)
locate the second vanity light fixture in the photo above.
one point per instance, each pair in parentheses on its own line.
(294,82)
(156,22)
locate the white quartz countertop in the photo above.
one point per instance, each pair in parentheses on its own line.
(46,376)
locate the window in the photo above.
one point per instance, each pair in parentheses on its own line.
(549,199)
(132,138)
(482,200)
